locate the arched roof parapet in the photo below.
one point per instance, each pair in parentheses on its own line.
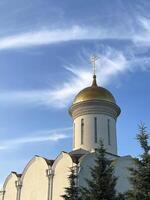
(11,175)
(60,156)
(33,160)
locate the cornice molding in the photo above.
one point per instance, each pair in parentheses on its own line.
(95,107)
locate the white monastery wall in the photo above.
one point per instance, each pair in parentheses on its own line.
(35,184)
(121,165)
(10,187)
(86,162)
(121,171)
(35,180)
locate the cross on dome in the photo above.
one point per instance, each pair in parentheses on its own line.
(94,58)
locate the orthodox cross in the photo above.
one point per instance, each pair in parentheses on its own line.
(94,58)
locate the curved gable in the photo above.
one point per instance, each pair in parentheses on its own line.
(32,162)
(35,180)
(61,168)
(9,186)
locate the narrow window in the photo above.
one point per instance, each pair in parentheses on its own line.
(82,130)
(74,126)
(108,126)
(95,129)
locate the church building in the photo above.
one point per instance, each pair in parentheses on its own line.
(94,112)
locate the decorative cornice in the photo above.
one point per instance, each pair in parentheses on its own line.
(2,192)
(49,173)
(94,107)
(18,183)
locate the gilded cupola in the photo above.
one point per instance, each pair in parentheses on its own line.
(94,92)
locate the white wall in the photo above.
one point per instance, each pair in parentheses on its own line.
(35,181)
(10,188)
(121,165)
(61,169)
(121,171)
(89,132)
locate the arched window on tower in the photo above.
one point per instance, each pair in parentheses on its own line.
(95,129)
(74,129)
(108,127)
(82,130)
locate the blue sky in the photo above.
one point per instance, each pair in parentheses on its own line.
(45,48)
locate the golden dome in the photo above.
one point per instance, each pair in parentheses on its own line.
(94,93)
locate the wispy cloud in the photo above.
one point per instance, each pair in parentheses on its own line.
(112,64)
(76,32)
(143,37)
(46,36)
(49,36)
(48,135)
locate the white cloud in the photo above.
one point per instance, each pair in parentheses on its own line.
(48,135)
(46,36)
(111,64)
(142,37)
(76,32)
(2,147)
(50,36)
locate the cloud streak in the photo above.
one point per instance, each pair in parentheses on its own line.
(143,38)
(46,36)
(50,36)
(47,136)
(113,63)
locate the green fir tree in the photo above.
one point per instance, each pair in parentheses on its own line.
(120,196)
(102,184)
(71,192)
(140,174)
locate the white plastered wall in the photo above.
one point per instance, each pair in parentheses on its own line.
(89,132)
(61,169)
(121,171)
(10,188)
(86,162)
(34,180)
(120,165)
